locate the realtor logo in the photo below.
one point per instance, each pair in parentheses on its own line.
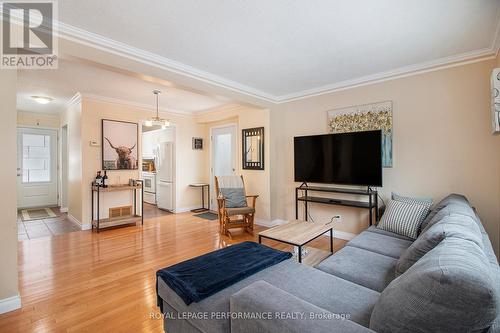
(28,38)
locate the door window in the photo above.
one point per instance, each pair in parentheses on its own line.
(36,158)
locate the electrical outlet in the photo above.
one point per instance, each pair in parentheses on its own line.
(337,218)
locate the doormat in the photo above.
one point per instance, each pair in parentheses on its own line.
(37,214)
(207,216)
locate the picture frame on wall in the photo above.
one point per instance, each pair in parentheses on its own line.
(253,148)
(197,143)
(366,117)
(120,145)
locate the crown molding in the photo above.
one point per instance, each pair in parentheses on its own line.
(100,42)
(76,99)
(148,107)
(421,68)
(224,108)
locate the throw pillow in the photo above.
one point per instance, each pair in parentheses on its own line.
(235,197)
(414,201)
(403,218)
(410,200)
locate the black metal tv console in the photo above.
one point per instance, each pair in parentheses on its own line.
(306,197)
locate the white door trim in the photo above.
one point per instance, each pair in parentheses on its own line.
(213,203)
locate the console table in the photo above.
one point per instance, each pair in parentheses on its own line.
(99,223)
(202,187)
(307,197)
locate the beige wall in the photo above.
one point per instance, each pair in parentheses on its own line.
(256,181)
(189,162)
(442,142)
(72,118)
(32,119)
(8,204)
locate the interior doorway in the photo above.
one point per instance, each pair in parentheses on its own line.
(223,159)
(37,168)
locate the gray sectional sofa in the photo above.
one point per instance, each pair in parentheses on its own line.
(447,280)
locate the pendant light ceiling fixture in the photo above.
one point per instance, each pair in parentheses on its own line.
(157,120)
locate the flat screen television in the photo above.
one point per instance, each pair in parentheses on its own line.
(346,158)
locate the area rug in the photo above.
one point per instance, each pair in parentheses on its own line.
(207,216)
(37,214)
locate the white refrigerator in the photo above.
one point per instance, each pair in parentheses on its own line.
(164,176)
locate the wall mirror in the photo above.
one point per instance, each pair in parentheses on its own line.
(253,148)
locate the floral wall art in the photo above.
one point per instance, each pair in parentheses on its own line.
(368,117)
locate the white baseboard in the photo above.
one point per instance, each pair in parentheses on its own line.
(185,209)
(343,235)
(10,304)
(86,226)
(269,224)
(63,209)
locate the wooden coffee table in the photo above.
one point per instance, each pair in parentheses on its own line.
(298,233)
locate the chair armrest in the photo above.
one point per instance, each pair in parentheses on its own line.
(278,306)
(221,201)
(254,198)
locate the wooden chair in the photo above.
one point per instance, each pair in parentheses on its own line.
(233,207)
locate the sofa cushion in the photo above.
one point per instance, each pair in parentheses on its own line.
(452,208)
(300,280)
(387,233)
(381,244)
(450,289)
(450,199)
(240,211)
(403,218)
(460,226)
(366,268)
(262,297)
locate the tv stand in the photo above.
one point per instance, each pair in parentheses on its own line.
(306,198)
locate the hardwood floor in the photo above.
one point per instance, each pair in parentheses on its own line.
(89,282)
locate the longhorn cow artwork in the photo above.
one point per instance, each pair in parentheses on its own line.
(119,148)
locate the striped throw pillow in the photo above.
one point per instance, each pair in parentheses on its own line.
(403,218)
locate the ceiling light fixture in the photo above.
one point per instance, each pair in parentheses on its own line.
(164,123)
(42,99)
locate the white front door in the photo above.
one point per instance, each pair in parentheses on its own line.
(36,167)
(224,153)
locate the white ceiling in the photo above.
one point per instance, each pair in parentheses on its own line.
(74,76)
(285,48)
